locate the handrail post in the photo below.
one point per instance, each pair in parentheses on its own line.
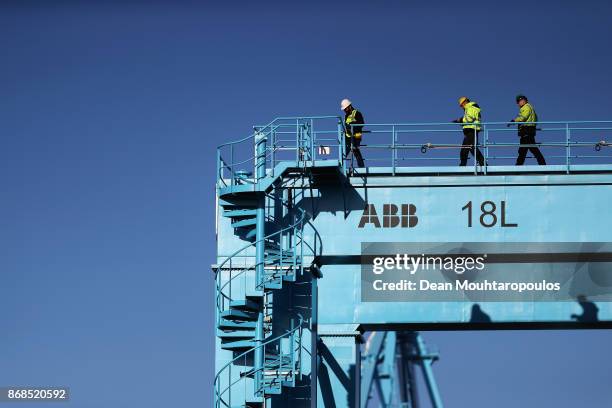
(272,151)
(312,142)
(260,174)
(475,147)
(298,141)
(292,351)
(485,147)
(314,338)
(393,152)
(216,396)
(229,395)
(567,147)
(231,167)
(219,169)
(341,146)
(300,350)
(218,297)
(230,280)
(302,245)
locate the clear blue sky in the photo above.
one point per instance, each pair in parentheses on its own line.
(109,115)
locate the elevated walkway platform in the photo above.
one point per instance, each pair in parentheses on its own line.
(483,171)
(248,184)
(316,146)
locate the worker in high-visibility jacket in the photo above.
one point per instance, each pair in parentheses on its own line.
(527,131)
(353,134)
(471,127)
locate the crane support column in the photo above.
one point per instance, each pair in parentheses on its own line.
(430,381)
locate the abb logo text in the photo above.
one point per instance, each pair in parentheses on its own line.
(393,216)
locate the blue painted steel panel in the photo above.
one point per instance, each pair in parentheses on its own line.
(547,208)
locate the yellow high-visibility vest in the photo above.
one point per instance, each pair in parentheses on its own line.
(471,114)
(527,114)
(349,120)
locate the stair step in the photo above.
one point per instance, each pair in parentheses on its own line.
(245,305)
(254,403)
(276,251)
(281,276)
(274,284)
(225,324)
(283,267)
(247,404)
(255,296)
(273,356)
(272,244)
(286,258)
(285,274)
(277,390)
(236,334)
(238,345)
(234,314)
(251,234)
(270,259)
(273,365)
(237,202)
(248,222)
(240,213)
(291,277)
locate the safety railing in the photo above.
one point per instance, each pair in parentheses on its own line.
(238,267)
(289,260)
(288,365)
(297,139)
(397,145)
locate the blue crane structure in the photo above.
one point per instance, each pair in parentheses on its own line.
(297,324)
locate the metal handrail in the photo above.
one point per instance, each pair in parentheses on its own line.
(283,126)
(567,128)
(219,393)
(296,226)
(269,130)
(486,123)
(219,288)
(274,121)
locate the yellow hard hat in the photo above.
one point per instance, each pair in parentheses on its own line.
(462,100)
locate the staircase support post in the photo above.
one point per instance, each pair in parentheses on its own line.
(260,173)
(314,340)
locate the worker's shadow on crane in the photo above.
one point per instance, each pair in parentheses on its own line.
(589,311)
(590,277)
(478,316)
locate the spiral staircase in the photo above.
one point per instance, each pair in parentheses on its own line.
(267,352)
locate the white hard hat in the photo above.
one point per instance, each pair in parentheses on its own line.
(345,104)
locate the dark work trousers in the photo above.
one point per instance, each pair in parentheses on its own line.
(356,152)
(470,140)
(527,135)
